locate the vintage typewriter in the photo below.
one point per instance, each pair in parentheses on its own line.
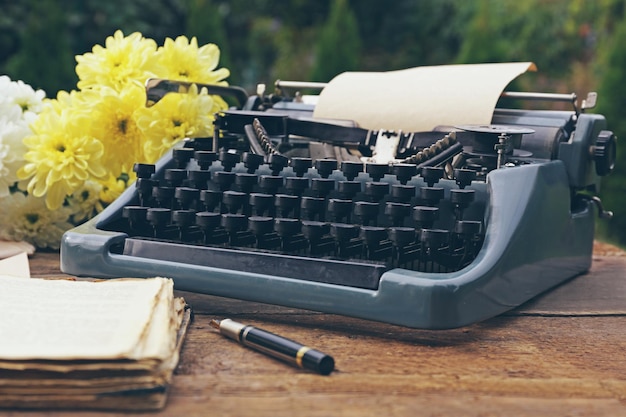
(434,229)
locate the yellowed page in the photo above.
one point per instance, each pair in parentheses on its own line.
(62,319)
(418,99)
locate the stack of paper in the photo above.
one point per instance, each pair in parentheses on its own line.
(88,344)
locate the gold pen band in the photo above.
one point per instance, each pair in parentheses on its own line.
(300,355)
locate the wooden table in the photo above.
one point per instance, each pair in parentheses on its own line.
(561,354)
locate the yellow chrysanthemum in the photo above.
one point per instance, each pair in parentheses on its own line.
(60,156)
(113,123)
(183,60)
(124,59)
(113,187)
(85,202)
(175,117)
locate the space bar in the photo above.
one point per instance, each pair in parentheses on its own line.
(340,272)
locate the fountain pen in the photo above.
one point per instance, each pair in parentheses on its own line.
(276,346)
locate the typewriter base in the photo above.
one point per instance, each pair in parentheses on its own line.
(509,270)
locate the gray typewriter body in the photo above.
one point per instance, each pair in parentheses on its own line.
(535,209)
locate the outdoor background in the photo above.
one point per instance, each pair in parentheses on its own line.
(578,45)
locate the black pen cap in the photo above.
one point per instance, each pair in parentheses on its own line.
(318,361)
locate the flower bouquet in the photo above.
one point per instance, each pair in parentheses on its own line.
(63,160)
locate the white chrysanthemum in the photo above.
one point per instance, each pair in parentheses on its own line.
(13,130)
(26,218)
(29,100)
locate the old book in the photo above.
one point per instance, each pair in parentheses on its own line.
(111,344)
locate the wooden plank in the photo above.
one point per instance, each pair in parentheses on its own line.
(602,291)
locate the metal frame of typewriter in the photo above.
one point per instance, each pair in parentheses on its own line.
(540,227)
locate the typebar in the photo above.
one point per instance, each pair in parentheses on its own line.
(351,273)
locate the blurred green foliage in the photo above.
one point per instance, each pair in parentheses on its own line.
(578,45)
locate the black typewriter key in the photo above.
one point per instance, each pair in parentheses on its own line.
(252,161)
(376,244)
(205,159)
(366,212)
(136,216)
(404,172)
(425,216)
(164,196)
(144,170)
(346,244)
(349,189)
(246,182)
(199,178)
(286,205)
(468,227)
(461,199)
(301,165)
(405,247)
(224,179)
(233,222)
(314,230)
(433,242)
(464,177)
(402,236)
(312,208)
(431,175)
(402,193)
(318,236)
(236,225)
(469,235)
(260,225)
(376,191)
(289,232)
(208,220)
(229,159)
(397,212)
(321,187)
(182,156)
(144,189)
(277,162)
(339,210)
(351,169)
(174,177)
(296,185)
(184,219)
(203,144)
(325,167)
(431,195)
(344,231)
(212,199)
(376,171)
(286,227)
(263,230)
(270,184)
(234,200)
(159,218)
(209,223)
(186,197)
(261,204)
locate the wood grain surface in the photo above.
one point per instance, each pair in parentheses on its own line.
(562,354)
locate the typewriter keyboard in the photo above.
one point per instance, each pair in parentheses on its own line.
(320,220)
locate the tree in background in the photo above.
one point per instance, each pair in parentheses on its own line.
(338,47)
(612,104)
(45,58)
(205,22)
